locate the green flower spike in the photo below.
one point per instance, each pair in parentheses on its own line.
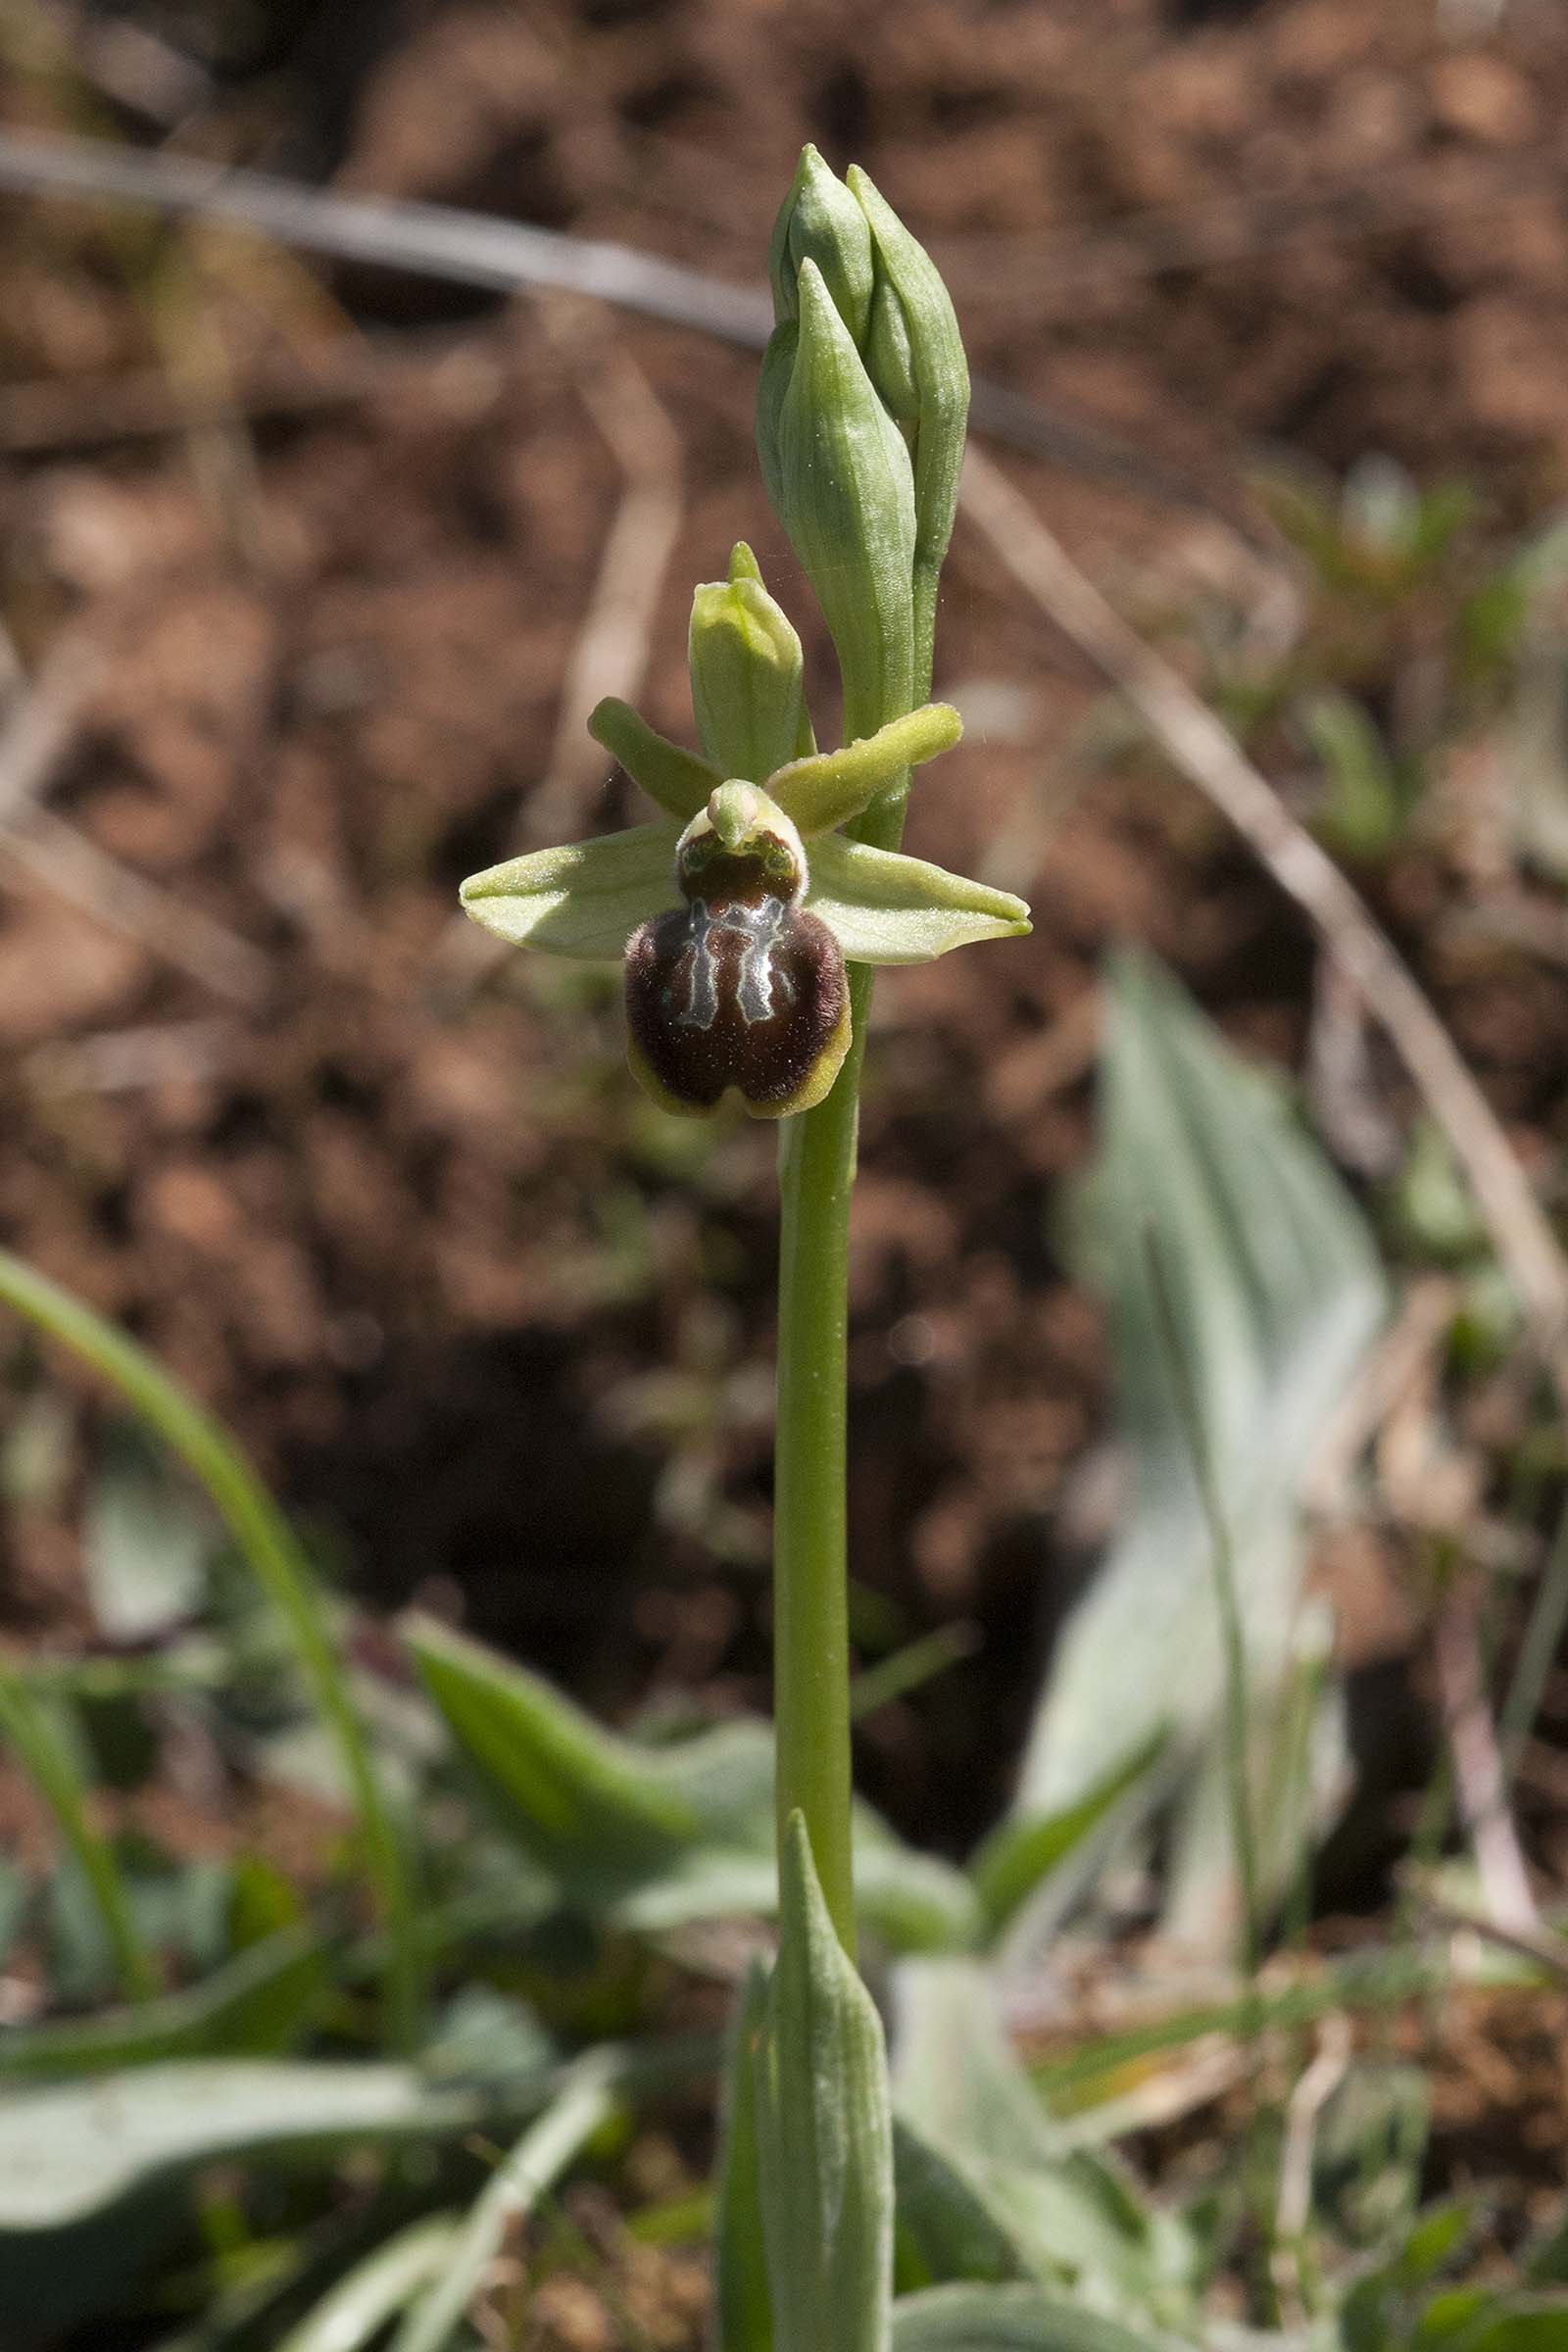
(735,909)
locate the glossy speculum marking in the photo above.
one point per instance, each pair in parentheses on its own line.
(741,986)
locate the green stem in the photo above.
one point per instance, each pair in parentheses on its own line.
(811,1610)
(810,1563)
(269,1543)
(46,1758)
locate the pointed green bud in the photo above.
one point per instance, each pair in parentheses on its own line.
(825,2131)
(915,356)
(840,478)
(820,221)
(748,675)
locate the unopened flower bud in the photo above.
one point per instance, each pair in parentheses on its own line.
(840,477)
(747,688)
(915,356)
(820,221)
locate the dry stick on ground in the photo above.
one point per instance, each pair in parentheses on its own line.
(1478,1771)
(40,729)
(610,654)
(477,249)
(1205,752)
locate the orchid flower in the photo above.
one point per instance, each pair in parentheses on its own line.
(735,910)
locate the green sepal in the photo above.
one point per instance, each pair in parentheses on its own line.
(884,908)
(830,787)
(840,477)
(586,898)
(824,2130)
(676,779)
(748,675)
(820,221)
(915,358)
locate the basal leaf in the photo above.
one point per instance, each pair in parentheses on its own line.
(1006,2318)
(1276,1292)
(825,2131)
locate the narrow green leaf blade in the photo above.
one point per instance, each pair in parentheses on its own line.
(583,1802)
(1023,1851)
(259,2004)
(1276,1286)
(70,2151)
(824,2132)
(540,2156)
(1006,2319)
(354,2312)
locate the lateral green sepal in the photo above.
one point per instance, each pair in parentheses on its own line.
(884,908)
(676,778)
(586,899)
(830,787)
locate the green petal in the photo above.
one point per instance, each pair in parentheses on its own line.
(886,909)
(747,676)
(825,790)
(677,780)
(584,899)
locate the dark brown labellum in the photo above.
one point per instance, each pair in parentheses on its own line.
(737,987)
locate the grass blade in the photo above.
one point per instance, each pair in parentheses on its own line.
(269,1545)
(48,1760)
(537,2161)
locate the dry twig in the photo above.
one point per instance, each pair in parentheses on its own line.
(610,654)
(40,731)
(475,249)
(1478,1772)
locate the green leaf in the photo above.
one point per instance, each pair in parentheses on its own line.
(1023,1851)
(146,1542)
(1276,1288)
(825,2131)
(943,2227)
(830,787)
(584,2103)
(740,2255)
(353,2311)
(1070,2214)
(676,779)
(259,2004)
(884,908)
(1006,2319)
(657,1837)
(93,2175)
(70,2151)
(1367,798)
(586,899)
(1540,2327)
